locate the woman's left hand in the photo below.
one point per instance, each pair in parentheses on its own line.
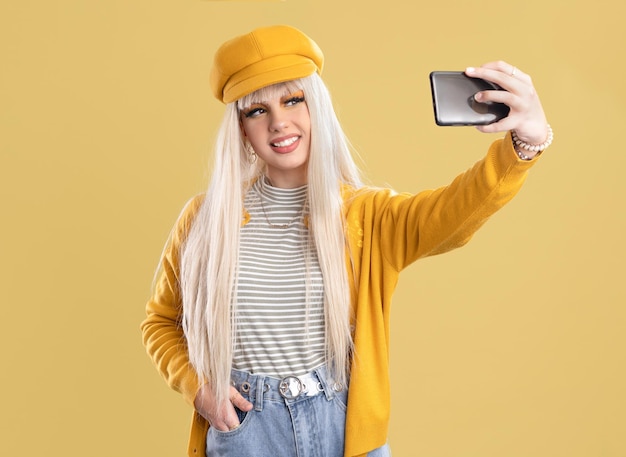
(526,116)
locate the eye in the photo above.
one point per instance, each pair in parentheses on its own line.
(253,112)
(291,101)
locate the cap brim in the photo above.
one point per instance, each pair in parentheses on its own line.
(265,73)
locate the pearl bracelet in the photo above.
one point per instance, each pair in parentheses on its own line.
(521,155)
(531,147)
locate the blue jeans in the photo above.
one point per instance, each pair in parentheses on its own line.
(306,419)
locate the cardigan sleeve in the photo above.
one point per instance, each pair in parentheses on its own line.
(436,221)
(162,331)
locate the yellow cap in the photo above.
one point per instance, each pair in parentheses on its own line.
(265,56)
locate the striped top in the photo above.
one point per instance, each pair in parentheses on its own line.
(276,335)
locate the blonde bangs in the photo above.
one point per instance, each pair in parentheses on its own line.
(269,93)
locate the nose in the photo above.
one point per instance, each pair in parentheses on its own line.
(278,120)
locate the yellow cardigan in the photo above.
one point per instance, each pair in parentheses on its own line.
(386,232)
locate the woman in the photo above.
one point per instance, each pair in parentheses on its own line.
(271,312)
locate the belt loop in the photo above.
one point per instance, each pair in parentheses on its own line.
(260,384)
(321,373)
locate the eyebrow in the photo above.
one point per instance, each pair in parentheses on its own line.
(262,96)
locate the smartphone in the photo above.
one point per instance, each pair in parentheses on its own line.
(453,100)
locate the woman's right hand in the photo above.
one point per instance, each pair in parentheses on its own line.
(222,417)
(526,116)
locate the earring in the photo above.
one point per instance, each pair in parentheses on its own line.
(251,154)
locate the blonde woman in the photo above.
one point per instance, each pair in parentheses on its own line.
(271,310)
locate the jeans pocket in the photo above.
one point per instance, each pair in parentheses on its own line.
(230,434)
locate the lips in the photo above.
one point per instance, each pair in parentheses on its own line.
(285,144)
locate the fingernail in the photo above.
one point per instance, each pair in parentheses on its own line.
(470,70)
(478,96)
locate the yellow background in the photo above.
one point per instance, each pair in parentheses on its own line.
(512,346)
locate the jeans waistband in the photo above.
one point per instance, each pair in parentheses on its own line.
(290,388)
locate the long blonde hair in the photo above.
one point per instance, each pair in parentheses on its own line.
(209,256)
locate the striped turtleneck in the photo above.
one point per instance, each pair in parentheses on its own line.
(279,323)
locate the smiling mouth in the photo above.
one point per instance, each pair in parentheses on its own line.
(285,143)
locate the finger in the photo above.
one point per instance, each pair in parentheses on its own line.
(230,417)
(227,422)
(505,67)
(500,65)
(220,425)
(500,126)
(500,96)
(495,96)
(237,400)
(522,101)
(501,75)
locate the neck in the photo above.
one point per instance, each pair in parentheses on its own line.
(285,181)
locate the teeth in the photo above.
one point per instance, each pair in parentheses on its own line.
(285,143)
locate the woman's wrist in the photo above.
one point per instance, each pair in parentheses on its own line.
(526,151)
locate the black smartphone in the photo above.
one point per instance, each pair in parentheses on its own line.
(453,100)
